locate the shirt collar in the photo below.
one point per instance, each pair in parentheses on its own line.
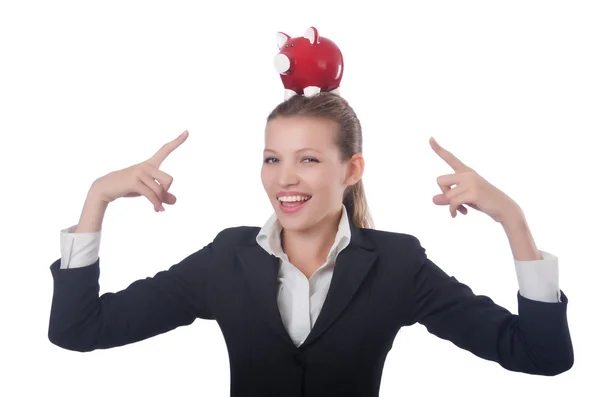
(269,236)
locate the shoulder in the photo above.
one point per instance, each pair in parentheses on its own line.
(236,236)
(380,236)
(398,243)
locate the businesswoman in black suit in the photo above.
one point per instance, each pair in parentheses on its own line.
(310,303)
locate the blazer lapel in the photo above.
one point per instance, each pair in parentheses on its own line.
(351,267)
(261,271)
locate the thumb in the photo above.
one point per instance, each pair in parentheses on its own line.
(440,199)
(170,198)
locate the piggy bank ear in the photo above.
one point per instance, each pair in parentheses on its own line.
(281,39)
(312,34)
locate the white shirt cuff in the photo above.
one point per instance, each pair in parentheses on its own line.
(538,279)
(78,249)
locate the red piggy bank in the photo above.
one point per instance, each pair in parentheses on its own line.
(309,64)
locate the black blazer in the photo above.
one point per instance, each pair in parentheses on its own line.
(382,281)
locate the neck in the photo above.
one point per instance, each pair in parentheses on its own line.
(311,245)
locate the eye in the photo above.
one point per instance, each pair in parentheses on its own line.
(312,159)
(271,160)
(292,44)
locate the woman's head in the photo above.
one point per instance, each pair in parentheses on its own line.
(313,146)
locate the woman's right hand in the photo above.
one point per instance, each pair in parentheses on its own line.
(141,179)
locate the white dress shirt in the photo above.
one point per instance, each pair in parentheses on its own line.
(300,299)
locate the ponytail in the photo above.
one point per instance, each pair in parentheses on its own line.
(355,201)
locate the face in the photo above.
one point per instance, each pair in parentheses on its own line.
(302,167)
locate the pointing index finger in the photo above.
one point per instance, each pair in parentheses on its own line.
(167,149)
(448,157)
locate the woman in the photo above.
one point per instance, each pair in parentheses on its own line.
(310,304)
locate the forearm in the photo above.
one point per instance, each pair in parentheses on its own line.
(92,214)
(519,237)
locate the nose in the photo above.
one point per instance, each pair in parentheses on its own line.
(287,175)
(282,63)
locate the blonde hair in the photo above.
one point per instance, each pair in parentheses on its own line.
(349,140)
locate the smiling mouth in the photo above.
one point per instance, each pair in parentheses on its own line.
(293,199)
(292,204)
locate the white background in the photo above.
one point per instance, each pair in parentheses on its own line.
(512,88)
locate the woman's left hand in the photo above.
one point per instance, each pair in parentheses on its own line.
(471,189)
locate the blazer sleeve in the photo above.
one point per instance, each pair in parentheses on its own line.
(536,341)
(82,320)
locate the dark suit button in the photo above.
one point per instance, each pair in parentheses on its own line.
(299,359)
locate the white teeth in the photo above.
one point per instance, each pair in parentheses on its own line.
(293,198)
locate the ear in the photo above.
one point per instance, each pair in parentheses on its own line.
(281,39)
(312,34)
(356,167)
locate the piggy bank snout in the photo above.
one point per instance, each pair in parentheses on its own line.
(282,63)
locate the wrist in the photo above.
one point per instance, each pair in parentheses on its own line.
(519,237)
(94,197)
(514,217)
(92,214)
(95,202)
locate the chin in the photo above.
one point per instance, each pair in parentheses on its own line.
(294,224)
(293,221)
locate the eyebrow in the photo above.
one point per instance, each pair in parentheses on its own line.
(297,151)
